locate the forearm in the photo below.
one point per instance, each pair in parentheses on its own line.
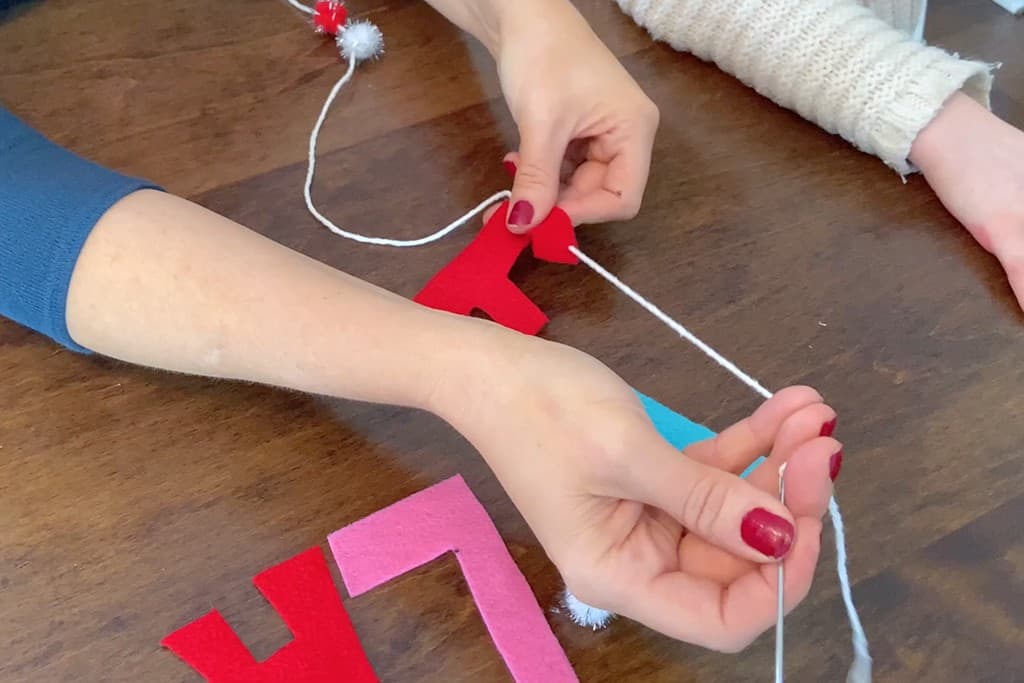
(164,283)
(832,61)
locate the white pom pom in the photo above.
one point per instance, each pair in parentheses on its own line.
(360,40)
(585,615)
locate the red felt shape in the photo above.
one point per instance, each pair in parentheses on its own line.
(329,17)
(477,279)
(325,648)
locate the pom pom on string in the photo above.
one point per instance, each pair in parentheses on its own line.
(360,41)
(329,17)
(583,614)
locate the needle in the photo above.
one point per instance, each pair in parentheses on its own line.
(779,649)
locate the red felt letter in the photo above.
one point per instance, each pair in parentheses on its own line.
(477,279)
(325,648)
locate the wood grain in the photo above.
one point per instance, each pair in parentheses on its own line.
(133,501)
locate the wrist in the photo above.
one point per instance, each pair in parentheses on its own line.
(508,21)
(480,18)
(936,140)
(475,364)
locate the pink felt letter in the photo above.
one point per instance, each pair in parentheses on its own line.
(325,649)
(447,517)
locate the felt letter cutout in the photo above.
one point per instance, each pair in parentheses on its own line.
(477,279)
(679,431)
(447,517)
(325,649)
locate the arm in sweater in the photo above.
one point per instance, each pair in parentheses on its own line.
(834,62)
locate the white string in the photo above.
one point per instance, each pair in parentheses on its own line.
(299,6)
(860,670)
(676,327)
(379,241)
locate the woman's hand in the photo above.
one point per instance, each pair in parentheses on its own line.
(675,541)
(586,129)
(975,163)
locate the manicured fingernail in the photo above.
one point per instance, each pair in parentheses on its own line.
(829,428)
(767,533)
(521,214)
(510,168)
(835,463)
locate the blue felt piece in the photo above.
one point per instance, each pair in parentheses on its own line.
(678,430)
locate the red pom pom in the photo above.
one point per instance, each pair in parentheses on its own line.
(329,16)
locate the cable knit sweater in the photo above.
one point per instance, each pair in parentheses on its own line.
(851,68)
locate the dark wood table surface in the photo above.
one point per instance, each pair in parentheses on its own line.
(132,502)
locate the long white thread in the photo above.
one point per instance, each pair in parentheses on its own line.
(379,241)
(676,327)
(860,670)
(299,6)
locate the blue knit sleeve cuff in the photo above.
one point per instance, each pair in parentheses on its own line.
(50,200)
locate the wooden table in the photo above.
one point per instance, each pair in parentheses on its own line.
(132,501)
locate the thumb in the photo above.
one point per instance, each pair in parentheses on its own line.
(713,504)
(536,183)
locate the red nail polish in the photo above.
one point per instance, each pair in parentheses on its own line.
(835,463)
(829,428)
(767,533)
(521,213)
(510,168)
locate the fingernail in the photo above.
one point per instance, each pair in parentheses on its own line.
(835,463)
(829,428)
(521,214)
(510,168)
(767,533)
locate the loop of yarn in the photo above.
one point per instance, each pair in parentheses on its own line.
(360,41)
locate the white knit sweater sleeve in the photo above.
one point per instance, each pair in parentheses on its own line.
(834,62)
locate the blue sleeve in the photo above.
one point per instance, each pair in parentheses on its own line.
(50,199)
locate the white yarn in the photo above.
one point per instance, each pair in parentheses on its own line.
(860,670)
(362,40)
(676,327)
(299,6)
(359,41)
(359,46)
